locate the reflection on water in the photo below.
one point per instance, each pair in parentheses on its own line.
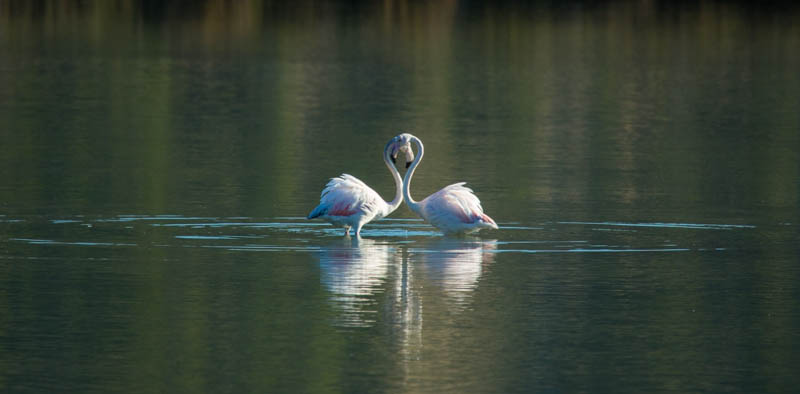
(357,270)
(409,305)
(372,282)
(455,265)
(354,270)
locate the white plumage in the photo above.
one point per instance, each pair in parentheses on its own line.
(348,202)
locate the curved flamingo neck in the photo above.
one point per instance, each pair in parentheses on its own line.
(398,196)
(407,178)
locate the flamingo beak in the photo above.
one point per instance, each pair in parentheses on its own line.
(394,153)
(409,154)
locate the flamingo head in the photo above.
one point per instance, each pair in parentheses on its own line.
(401,144)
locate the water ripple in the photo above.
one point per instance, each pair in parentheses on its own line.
(296,234)
(699,226)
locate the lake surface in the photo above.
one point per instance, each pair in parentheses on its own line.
(157,163)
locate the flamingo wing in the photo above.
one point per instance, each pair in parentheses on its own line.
(456,207)
(346,195)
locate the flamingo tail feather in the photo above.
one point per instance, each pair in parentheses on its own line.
(318,211)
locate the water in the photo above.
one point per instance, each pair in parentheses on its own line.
(157,163)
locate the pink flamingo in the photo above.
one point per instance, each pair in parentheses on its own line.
(454,209)
(348,202)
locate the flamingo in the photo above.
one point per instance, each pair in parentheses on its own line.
(348,202)
(454,209)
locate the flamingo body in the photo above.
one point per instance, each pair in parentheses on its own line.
(348,202)
(453,209)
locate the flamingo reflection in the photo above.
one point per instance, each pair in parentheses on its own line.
(357,271)
(455,266)
(354,271)
(432,271)
(399,285)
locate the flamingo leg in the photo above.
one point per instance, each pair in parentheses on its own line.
(346,231)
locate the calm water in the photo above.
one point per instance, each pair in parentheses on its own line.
(157,163)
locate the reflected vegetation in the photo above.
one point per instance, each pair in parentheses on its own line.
(221,106)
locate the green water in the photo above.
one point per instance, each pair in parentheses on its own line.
(157,163)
